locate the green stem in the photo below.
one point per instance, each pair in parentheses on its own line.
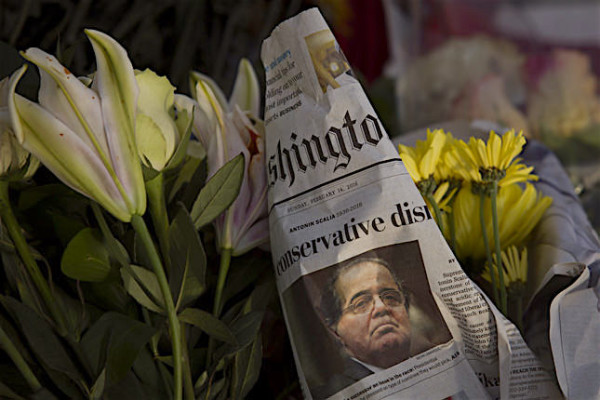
(158,212)
(160,220)
(187,372)
(437,211)
(503,297)
(174,329)
(452,226)
(223,270)
(19,361)
(111,242)
(486,244)
(217,307)
(153,339)
(519,301)
(14,230)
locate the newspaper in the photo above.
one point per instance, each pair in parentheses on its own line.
(376,304)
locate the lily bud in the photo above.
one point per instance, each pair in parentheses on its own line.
(161,122)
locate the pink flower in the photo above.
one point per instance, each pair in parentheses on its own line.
(226,130)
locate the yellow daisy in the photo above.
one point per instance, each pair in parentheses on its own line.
(422,160)
(519,209)
(496,160)
(514,266)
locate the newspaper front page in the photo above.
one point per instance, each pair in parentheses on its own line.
(376,304)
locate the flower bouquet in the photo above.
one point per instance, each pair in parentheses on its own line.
(129,260)
(550,251)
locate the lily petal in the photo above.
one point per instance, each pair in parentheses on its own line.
(118,91)
(246,91)
(255,236)
(196,77)
(61,93)
(47,138)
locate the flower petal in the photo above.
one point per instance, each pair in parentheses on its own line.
(246,91)
(195,77)
(209,122)
(255,236)
(118,92)
(156,132)
(67,156)
(69,100)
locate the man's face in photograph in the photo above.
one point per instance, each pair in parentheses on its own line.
(374,326)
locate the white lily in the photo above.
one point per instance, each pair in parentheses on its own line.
(226,130)
(85,136)
(15,161)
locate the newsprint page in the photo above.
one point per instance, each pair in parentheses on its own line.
(375,302)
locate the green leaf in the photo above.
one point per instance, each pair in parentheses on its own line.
(124,349)
(188,260)
(98,388)
(245,330)
(141,256)
(262,294)
(43,394)
(14,271)
(46,346)
(244,271)
(115,248)
(128,388)
(246,327)
(198,359)
(208,323)
(246,368)
(65,226)
(86,258)
(189,170)
(76,313)
(146,369)
(215,389)
(7,393)
(143,286)
(109,295)
(220,191)
(16,338)
(114,342)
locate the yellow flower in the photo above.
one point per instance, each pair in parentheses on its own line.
(442,195)
(422,160)
(482,162)
(498,152)
(462,163)
(519,209)
(514,266)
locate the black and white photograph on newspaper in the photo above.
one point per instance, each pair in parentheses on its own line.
(364,315)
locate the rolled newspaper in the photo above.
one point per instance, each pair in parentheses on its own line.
(375,303)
